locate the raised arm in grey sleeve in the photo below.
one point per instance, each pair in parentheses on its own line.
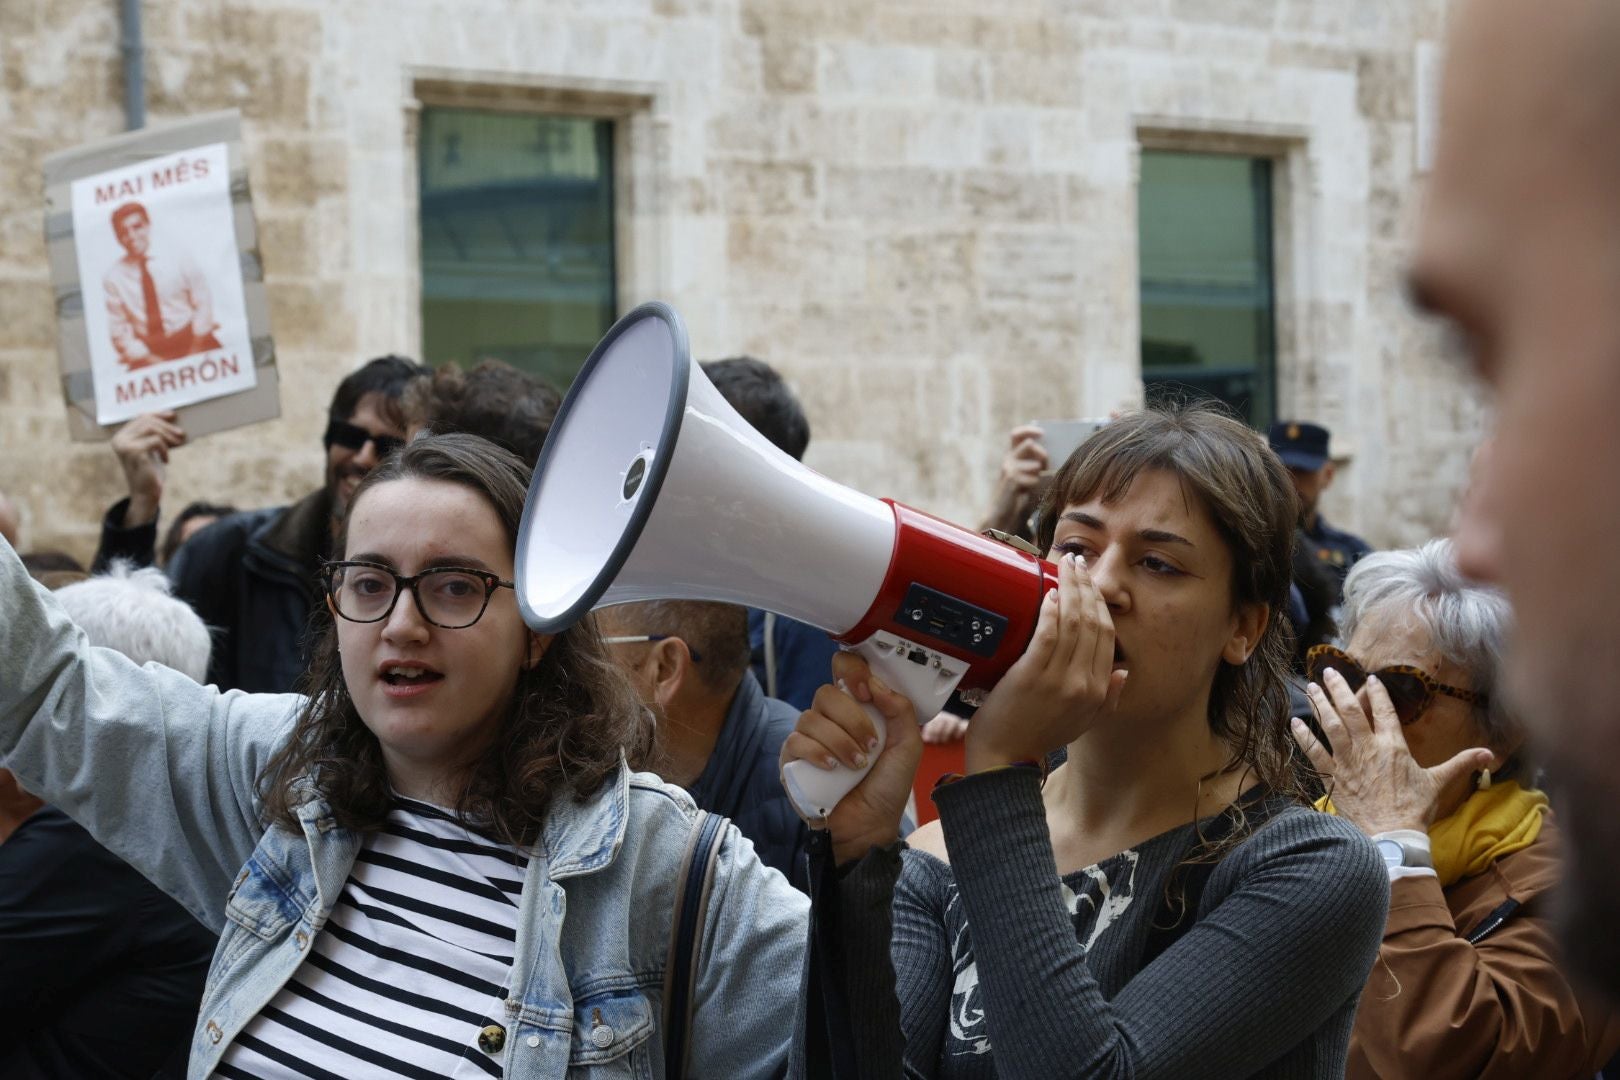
(1298,912)
(160,770)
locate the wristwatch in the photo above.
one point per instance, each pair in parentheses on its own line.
(1404,847)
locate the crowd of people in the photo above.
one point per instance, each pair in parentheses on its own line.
(295,791)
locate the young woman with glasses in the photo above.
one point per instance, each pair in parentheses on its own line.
(1164,903)
(1425,756)
(436,861)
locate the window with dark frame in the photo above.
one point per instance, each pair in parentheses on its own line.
(517,238)
(1208,309)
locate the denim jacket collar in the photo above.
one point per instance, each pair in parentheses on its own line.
(584,837)
(579,837)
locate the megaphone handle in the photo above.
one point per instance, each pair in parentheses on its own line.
(928,685)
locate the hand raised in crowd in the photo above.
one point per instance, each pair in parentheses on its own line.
(1021,468)
(837,730)
(1373,779)
(1063,685)
(143,446)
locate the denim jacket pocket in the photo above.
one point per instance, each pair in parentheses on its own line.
(610,1025)
(258,903)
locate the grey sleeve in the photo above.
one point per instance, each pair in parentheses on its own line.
(849,1021)
(1289,945)
(921,954)
(160,770)
(754,933)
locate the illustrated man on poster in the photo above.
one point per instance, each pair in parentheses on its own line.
(158,304)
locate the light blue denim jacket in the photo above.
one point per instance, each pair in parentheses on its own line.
(163,772)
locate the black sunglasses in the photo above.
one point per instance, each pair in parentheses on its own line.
(354,437)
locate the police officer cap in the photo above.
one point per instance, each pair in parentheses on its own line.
(1300,445)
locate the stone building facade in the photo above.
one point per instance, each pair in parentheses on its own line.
(923,211)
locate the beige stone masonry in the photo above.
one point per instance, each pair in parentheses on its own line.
(923,212)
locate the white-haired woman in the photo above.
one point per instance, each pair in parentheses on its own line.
(1426,759)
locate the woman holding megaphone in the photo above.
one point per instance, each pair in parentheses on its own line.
(1164,902)
(437,863)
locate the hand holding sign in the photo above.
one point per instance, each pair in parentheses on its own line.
(143,446)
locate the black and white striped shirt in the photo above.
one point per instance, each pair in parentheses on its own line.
(411,966)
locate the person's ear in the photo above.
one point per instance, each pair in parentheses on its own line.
(332,610)
(669,662)
(1502,754)
(1248,626)
(538,644)
(1327,473)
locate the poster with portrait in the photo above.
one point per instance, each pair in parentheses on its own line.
(162,282)
(160,291)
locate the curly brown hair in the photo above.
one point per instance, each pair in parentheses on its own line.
(511,408)
(1247,491)
(572,719)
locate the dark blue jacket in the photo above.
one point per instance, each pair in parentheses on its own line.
(1335,549)
(742,782)
(252,576)
(801,653)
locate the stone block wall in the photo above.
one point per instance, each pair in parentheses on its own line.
(923,212)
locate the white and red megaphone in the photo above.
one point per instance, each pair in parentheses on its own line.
(651,487)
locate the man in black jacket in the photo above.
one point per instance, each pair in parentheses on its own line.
(252,575)
(719,735)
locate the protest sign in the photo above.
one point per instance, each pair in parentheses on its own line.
(160,294)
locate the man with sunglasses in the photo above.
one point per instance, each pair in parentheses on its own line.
(252,575)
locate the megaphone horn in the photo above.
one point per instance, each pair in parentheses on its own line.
(652,487)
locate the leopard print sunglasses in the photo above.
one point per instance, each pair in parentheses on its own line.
(1411,689)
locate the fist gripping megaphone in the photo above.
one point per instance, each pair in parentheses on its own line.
(651,487)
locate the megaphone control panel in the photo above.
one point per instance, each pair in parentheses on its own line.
(969,596)
(951,620)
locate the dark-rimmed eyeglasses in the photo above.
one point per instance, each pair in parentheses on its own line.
(354,437)
(1411,689)
(449,597)
(636,639)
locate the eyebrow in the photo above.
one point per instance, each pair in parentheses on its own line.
(1154,536)
(466,561)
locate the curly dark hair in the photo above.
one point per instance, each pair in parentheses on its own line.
(571,719)
(1247,491)
(511,408)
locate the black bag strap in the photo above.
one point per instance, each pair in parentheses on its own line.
(680,973)
(1187,880)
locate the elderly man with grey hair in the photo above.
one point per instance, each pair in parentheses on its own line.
(1424,755)
(101,973)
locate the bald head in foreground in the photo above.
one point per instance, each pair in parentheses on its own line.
(1520,250)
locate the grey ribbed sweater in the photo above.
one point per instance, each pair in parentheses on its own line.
(996,967)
